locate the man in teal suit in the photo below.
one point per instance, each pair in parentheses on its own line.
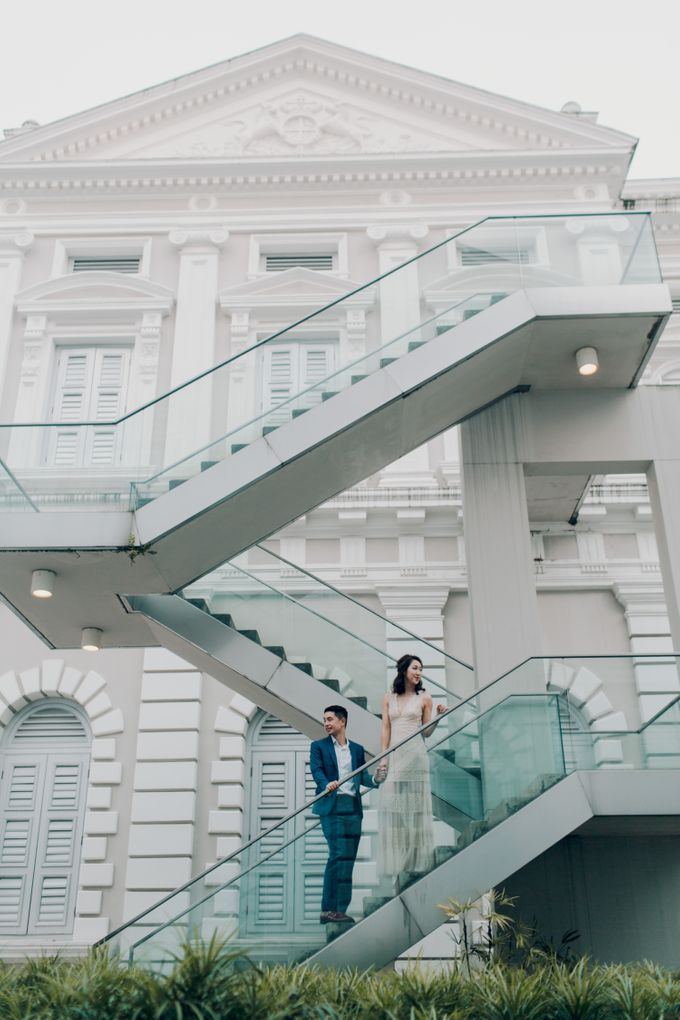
(330,760)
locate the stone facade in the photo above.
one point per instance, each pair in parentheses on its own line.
(300,149)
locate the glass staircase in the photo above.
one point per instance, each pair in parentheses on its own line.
(113,465)
(324,632)
(516,746)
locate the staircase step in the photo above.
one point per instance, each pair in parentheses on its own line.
(235,447)
(333,684)
(306,667)
(297,411)
(360,701)
(278,650)
(268,429)
(469,312)
(415,344)
(142,502)
(175,482)
(206,464)
(224,618)
(373,903)
(327,394)
(357,378)
(384,362)
(200,604)
(496,297)
(443,853)
(252,635)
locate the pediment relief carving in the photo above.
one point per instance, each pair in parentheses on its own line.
(302,122)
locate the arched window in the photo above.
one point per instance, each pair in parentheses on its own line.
(285,893)
(44,764)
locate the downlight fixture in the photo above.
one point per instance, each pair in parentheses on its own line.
(42,584)
(587,360)
(91,639)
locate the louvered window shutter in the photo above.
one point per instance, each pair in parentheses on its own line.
(113,264)
(320,261)
(280,382)
(61,824)
(495,253)
(287,894)
(41,820)
(291,370)
(317,365)
(91,385)
(19,821)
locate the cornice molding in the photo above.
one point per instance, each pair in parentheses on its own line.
(489,168)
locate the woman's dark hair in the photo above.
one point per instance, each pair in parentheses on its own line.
(399,684)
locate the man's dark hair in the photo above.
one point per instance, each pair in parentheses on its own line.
(337,710)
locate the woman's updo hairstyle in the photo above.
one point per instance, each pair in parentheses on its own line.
(399,684)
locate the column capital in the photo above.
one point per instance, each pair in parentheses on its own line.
(15,242)
(198,237)
(640,598)
(425,602)
(397,233)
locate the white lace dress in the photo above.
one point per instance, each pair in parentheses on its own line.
(405,799)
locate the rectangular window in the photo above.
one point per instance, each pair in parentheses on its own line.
(91,385)
(277,262)
(487,254)
(291,369)
(110,263)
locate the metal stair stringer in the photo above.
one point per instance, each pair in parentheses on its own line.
(484,864)
(249,669)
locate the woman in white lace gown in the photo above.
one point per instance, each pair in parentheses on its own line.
(405,806)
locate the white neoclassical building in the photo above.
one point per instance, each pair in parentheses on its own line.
(148,240)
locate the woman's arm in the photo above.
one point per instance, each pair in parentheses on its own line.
(385,737)
(386,731)
(427,715)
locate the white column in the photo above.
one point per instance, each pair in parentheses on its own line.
(656,680)
(503,602)
(189,413)
(13,246)
(419,610)
(400,311)
(160,851)
(663,478)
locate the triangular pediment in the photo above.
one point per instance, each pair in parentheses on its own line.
(98,289)
(298,286)
(305,98)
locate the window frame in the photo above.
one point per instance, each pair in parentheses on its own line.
(262,245)
(66,249)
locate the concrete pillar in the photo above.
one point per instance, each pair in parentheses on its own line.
(161,847)
(663,478)
(189,412)
(13,245)
(502,586)
(401,311)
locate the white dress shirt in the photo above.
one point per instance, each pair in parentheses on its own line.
(344,758)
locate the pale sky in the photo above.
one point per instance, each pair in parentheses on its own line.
(58,57)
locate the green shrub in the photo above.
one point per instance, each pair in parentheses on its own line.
(210,982)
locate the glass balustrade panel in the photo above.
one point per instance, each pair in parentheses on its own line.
(266,898)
